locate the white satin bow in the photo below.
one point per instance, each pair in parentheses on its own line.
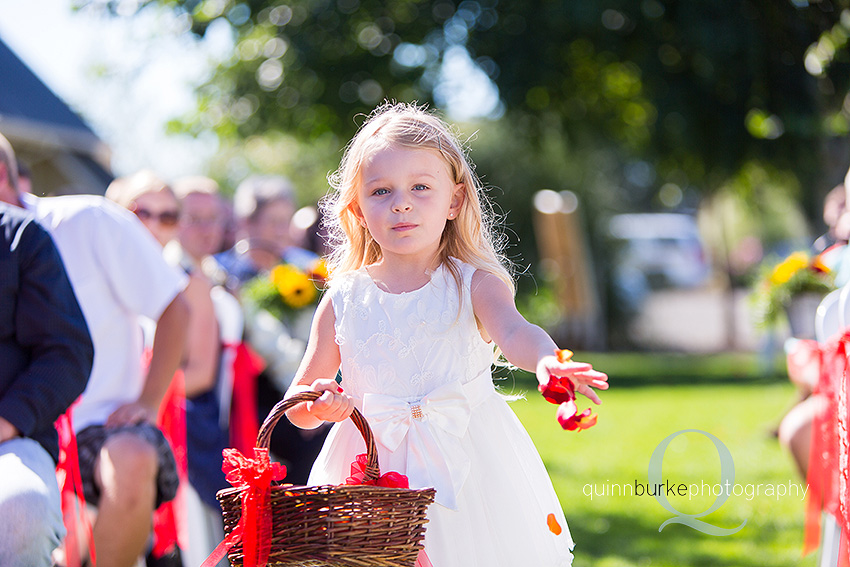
(432,433)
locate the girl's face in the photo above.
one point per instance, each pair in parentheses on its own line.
(159,212)
(405,198)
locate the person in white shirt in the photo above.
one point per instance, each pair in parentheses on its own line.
(118,274)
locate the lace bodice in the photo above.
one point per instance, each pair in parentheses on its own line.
(405,345)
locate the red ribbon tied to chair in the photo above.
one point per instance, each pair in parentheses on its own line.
(254,477)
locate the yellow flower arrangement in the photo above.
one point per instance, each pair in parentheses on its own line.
(294,286)
(797,274)
(786,269)
(286,289)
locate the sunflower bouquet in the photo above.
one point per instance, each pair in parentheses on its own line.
(286,290)
(798,274)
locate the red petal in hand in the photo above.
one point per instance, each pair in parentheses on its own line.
(571,420)
(560,389)
(585,420)
(566,415)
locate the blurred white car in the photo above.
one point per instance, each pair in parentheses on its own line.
(655,250)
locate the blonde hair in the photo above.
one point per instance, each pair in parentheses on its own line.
(470,237)
(125,190)
(190,184)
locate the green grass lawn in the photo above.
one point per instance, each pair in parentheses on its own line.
(613,527)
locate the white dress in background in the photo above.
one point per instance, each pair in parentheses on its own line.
(421,373)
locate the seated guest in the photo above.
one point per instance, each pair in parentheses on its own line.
(46,355)
(208,414)
(118,275)
(263,207)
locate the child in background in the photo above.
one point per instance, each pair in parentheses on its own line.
(418,301)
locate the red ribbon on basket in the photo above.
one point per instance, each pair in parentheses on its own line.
(422,560)
(254,477)
(389,480)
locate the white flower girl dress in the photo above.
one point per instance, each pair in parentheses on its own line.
(418,369)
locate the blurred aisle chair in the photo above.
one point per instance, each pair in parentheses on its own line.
(829,319)
(833,316)
(843,306)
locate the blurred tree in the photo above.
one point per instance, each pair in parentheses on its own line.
(697,87)
(688,90)
(308,67)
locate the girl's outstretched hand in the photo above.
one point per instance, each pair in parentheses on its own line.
(333,405)
(582,375)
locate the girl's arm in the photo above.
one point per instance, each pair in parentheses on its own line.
(525,345)
(318,373)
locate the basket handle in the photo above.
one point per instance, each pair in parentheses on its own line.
(372,471)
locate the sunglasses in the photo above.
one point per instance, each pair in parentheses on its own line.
(165,218)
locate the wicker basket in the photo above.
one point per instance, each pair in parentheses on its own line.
(336,526)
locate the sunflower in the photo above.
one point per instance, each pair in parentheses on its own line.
(786,269)
(293,285)
(284,292)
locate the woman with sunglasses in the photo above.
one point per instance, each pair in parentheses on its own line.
(151,199)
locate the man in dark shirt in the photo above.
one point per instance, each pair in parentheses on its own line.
(45,358)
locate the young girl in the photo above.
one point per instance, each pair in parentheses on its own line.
(417,303)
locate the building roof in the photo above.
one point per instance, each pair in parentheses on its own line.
(23,96)
(45,131)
